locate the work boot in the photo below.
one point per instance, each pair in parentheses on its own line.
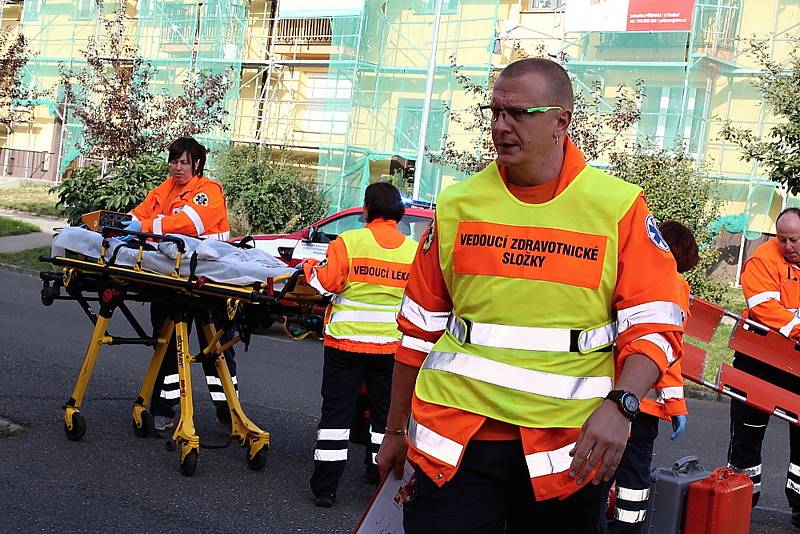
(796,519)
(161,422)
(325,500)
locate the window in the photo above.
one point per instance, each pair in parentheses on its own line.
(545,5)
(31,9)
(662,111)
(409,119)
(85,9)
(323,93)
(428,7)
(332,229)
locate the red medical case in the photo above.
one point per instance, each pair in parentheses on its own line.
(719,504)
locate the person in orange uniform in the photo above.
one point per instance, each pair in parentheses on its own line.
(503,394)
(191,204)
(664,401)
(365,271)
(771,286)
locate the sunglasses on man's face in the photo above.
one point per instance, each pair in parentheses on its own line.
(516,114)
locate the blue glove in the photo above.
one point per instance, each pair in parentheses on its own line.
(133,226)
(678,426)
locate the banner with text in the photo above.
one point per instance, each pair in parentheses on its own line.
(629,15)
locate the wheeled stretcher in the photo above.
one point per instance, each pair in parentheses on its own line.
(750,338)
(249,290)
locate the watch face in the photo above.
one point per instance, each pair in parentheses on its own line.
(630,403)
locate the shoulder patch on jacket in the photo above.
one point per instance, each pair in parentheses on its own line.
(426,246)
(655,234)
(201,199)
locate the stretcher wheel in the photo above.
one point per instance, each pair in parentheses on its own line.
(257,462)
(78,427)
(189,463)
(147,425)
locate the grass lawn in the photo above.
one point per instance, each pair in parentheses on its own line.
(34,199)
(28,259)
(10,226)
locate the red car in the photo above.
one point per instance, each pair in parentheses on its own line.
(312,241)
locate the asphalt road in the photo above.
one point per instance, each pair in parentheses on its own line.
(114,481)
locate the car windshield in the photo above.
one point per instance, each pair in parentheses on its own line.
(411,225)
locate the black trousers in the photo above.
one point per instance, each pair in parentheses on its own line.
(633,477)
(749,425)
(166,392)
(491,494)
(342,376)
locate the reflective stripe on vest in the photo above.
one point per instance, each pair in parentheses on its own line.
(549,462)
(429,321)
(433,444)
(365,311)
(531,337)
(519,349)
(512,377)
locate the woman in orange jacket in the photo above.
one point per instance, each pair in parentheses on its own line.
(664,401)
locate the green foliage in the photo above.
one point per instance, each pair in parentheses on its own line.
(778,151)
(35,199)
(85,190)
(27,259)
(267,192)
(9,226)
(677,190)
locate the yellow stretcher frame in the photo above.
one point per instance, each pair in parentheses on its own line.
(114,283)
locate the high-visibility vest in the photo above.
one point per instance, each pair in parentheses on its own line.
(366,309)
(529,341)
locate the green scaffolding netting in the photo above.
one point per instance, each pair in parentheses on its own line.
(380,66)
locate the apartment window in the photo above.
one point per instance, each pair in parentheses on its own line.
(545,5)
(661,115)
(84,9)
(146,9)
(428,7)
(31,9)
(409,120)
(324,94)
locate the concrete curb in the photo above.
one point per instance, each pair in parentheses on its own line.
(23,270)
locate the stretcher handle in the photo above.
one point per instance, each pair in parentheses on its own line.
(110,231)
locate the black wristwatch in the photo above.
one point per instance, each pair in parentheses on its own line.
(626,401)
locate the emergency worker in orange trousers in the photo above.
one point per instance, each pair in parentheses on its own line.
(365,271)
(664,401)
(533,268)
(191,204)
(771,286)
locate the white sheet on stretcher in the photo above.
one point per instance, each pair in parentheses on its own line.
(216,260)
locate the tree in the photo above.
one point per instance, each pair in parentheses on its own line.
(14,55)
(123,116)
(594,130)
(779,151)
(267,191)
(676,190)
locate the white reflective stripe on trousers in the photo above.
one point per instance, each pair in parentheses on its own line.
(415,343)
(794,469)
(529,337)
(429,321)
(749,471)
(761,298)
(434,444)
(195,218)
(333,434)
(512,377)
(656,312)
(376,437)
(325,455)
(171,379)
(363,317)
(217,396)
(171,394)
(629,516)
(792,485)
(634,495)
(549,462)
(661,342)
